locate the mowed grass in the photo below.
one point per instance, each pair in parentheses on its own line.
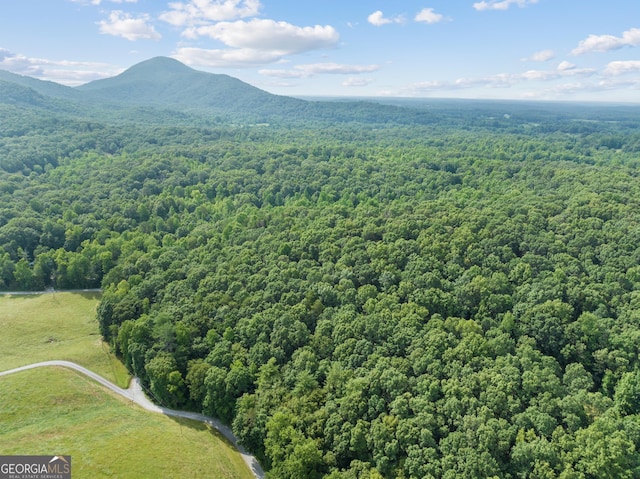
(55,326)
(56,411)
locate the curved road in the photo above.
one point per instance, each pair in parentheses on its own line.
(134,393)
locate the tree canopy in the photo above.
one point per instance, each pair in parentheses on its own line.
(457,299)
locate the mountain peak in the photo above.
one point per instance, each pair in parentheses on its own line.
(166,83)
(160,64)
(155,69)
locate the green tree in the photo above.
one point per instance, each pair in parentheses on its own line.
(165,381)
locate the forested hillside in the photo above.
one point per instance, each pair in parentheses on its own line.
(457,298)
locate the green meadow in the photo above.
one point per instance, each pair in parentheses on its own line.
(58,411)
(53,410)
(49,326)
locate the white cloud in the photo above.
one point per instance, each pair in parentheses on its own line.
(225,58)
(500,80)
(20,64)
(563,89)
(555,92)
(313,69)
(621,67)
(541,56)
(77,77)
(567,69)
(496,81)
(378,19)
(254,42)
(356,82)
(336,68)
(4,54)
(283,73)
(200,12)
(501,4)
(121,24)
(71,73)
(610,84)
(605,43)
(563,70)
(424,87)
(565,79)
(571,88)
(427,15)
(540,75)
(98,2)
(565,65)
(279,38)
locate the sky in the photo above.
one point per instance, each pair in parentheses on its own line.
(567,50)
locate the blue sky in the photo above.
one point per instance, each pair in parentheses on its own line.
(581,50)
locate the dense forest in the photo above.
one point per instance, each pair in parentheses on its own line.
(453,297)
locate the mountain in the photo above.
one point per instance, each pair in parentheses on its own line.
(166,83)
(27,99)
(163,90)
(14,94)
(44,88)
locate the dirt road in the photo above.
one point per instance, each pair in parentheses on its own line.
(135,394)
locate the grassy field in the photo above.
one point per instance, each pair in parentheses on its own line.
(55,326)
(55,411)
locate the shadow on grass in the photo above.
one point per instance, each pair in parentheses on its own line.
(85,293)
(201,426)
(253,464)
(93,294)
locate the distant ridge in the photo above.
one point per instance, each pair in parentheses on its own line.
(19,95)
(167,83)
(29,94)
(46,88)
(163,90)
